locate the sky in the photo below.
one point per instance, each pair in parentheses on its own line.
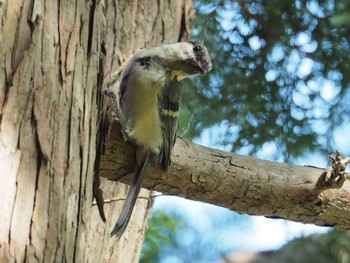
(259,234)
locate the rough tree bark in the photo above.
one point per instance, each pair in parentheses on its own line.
(53,58)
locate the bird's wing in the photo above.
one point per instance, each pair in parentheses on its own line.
(169,114)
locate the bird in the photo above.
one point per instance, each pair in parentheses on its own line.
(148,104)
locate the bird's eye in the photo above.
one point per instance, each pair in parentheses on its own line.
(197,48)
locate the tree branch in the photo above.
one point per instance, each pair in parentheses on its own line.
(244,184)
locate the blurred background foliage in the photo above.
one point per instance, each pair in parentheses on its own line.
(280,78)
(160,235)
(318,248)
(279,90)
(165,243)
(205,240)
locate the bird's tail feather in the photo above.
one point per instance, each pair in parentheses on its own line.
(131,197)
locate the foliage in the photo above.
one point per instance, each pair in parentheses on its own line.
(317,248)
(160,234)
(331,247)
(280,77)
(173,238)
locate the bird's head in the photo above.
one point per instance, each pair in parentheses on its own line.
(183,59)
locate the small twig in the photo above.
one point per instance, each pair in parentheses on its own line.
(184,131)
(115,199)
(106,201)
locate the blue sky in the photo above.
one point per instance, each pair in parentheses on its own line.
(259,234)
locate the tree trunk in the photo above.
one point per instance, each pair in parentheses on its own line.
(54,56)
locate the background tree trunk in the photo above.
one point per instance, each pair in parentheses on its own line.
(52,64)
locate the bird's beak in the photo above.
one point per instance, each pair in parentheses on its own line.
(204,62)
(205,66)
(186,68)
(194,66)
